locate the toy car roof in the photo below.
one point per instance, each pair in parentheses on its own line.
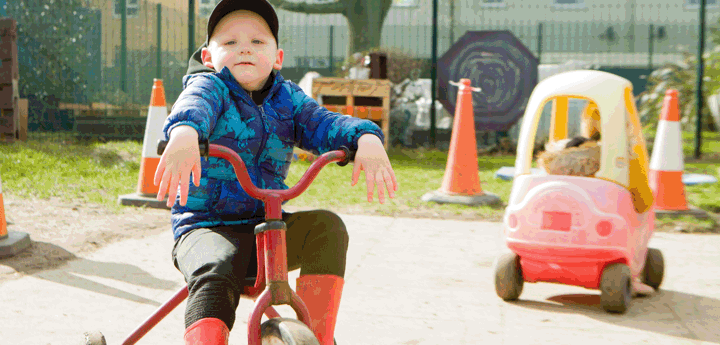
(619,124)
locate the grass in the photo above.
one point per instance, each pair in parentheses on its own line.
(417,171)
(71,171)
(100,172)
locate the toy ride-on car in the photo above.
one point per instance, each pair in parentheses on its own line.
(588,219)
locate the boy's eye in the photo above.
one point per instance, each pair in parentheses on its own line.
(256,41)
(230,42)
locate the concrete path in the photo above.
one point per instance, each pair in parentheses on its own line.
(409,281)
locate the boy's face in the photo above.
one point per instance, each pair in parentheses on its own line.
(242,42)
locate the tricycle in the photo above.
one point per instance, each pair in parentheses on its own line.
(272,287)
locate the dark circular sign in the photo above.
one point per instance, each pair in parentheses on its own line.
(499,64)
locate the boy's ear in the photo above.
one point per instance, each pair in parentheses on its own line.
(279,59)
(206,58)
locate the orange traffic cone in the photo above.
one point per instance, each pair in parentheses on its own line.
(666,162)
(146,189)
(461,183)
(11,242)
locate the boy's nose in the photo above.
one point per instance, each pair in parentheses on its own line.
(244,49)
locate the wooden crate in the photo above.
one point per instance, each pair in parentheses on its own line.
(361,98)
(302,155)
(9,81)
(22,119)
(8,124)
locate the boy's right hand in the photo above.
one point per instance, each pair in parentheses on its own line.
(180,158)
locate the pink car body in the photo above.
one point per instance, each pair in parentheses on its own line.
(567,229)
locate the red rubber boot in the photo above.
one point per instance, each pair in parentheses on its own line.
(208,331)
(321,293)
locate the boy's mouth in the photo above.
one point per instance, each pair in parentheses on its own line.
(245,64)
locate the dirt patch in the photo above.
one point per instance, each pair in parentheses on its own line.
(60,230)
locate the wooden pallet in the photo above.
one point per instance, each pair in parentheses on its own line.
(361,98)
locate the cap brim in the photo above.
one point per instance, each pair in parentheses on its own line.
(261,7)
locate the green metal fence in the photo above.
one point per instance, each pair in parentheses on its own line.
(83,61)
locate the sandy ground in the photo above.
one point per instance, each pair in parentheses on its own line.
(59,230)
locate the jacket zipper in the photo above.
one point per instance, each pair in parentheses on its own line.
(264,135)
(262,143)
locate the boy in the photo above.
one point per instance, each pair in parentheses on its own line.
(234,96)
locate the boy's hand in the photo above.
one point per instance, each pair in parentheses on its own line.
(372,158)
(180,158)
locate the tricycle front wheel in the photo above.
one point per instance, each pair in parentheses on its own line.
(94,338)
(283,331)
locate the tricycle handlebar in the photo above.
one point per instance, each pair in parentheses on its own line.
(342,157)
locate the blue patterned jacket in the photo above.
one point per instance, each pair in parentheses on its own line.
(264,136)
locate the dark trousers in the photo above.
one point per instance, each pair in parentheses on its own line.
(216,261)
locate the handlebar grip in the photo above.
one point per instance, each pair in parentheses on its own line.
(204,146)
(349,156)
(161,145)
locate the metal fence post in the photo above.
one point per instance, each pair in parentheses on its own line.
(123,45)
(698,89)
(191,27)
(158,72)
(539,41)
(331,49)
(651,39)
(452,22)
(433,72)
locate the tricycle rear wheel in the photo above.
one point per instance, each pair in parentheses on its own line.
(616,288)
(283,331)
(508,277)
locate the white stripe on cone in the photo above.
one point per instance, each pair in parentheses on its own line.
(667,152)
(153,130)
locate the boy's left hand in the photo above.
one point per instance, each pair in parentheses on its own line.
(372,158)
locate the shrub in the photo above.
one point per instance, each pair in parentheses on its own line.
(682,76)
(400,65)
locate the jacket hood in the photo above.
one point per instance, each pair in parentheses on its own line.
(195,64)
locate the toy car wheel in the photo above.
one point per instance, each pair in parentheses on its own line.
(508,277)
(282,331)
(616,288)
(94,338)
(654,268)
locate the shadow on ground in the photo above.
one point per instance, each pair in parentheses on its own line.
(667,312)
(41,259)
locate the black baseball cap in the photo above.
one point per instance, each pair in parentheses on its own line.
(261,7)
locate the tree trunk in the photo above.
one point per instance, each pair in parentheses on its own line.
(365,23)
(365,18)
